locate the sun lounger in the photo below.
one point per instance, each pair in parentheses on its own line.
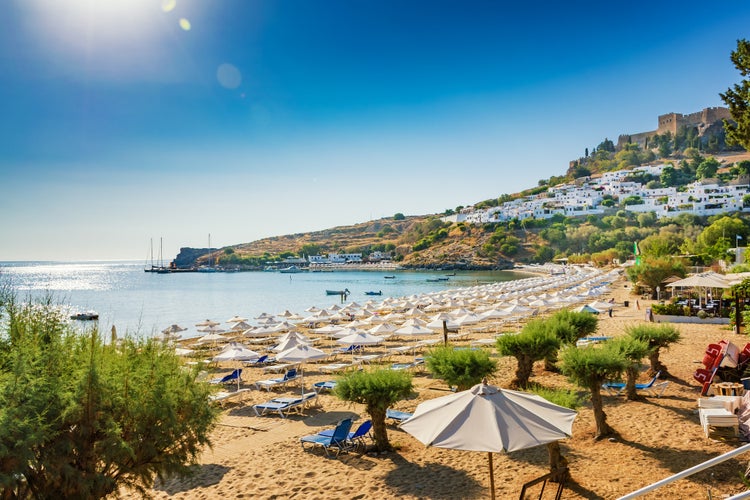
(356,438)
(336,441)
(279,368)
(284,406)
(232,378)
(652,387)
(416,364)
(398,417)
(339,367)
(370,358)
(324,386)
(718,417)
(268,384)
(224,397)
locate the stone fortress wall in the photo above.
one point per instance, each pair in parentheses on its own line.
(670,122)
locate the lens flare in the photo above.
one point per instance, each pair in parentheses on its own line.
(168,5)
(229,76)
(185,24)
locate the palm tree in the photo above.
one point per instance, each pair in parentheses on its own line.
(534,343)
(377,390)
(590,367)
(657,337)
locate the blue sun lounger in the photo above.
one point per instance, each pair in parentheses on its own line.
(336,441)
(398,417)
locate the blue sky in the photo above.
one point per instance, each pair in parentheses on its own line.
(125,120)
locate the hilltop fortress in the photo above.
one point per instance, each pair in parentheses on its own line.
(707,122)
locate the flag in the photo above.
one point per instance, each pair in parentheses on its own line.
(637,252)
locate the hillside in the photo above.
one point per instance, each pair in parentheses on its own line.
(429,242)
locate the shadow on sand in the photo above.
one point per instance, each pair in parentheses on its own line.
(200,477)
(440,481)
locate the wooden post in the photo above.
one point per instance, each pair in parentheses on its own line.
(445,341)
(492,478)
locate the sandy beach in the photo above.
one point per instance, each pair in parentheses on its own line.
(261,457)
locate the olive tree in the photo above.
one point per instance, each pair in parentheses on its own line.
(534,343)
(462,368)
(633,350)
(377,390)
(590,367)
(656,337)
(83,419)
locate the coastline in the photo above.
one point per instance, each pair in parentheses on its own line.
(261,456)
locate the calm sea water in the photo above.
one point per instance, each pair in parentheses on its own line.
(144,303)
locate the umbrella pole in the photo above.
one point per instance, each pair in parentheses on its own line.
(492,477)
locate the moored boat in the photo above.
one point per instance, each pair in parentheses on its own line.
(345,291)
(379,292)
(85,316)
(290,270)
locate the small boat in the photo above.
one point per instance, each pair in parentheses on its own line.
(379,292)
(389,277)
(85,316)
(290,270)
(432,280)
(345,291)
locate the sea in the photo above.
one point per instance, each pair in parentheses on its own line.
(140,303)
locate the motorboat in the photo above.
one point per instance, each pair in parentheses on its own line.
(345,291)
(379,292)
(290,270)
(85,316)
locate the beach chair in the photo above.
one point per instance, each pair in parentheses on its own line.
(718,417)
(652,387)
(261,361)
(398,417)
(224,397)
(233,377)
(284,406)
(269,384)
(357,437)
(337,441)
(324,386)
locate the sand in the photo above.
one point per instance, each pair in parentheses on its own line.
(261,457)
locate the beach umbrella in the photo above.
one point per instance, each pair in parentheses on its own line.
(211,337)
(288,315)
(301,353)
(181,351)
(240,326)
(486,418)
(284,326)
(295,335)
(173,328)
(236,319)
(235,351)
(382,328)
(361,339)
(207,323)
(288,344)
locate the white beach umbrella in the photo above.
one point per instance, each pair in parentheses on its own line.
(414,330)
(211,338)
(437,324)
(288,344)
(284,326)
(236,352)
(181,351)
(294,335)
(264,315)
(260,331)
(495,314)
(382,328)
(413,322)
(236,319)
(301,353)
(486,418)
(208,323)
(240,326)
(361,339)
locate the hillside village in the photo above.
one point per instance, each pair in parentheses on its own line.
(586,196)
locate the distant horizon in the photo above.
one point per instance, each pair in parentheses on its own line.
(132,119)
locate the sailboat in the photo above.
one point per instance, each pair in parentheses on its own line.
(156,268)
(209,268)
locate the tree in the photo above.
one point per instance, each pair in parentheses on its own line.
(657,337)
(534,343)
(708,168)
(568,326)
(463,368)
(738,98)
(720,236)
(568,399)
(590,368)
(652,271)
(633,350)
(399,216)
(83,419)
(377,390)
